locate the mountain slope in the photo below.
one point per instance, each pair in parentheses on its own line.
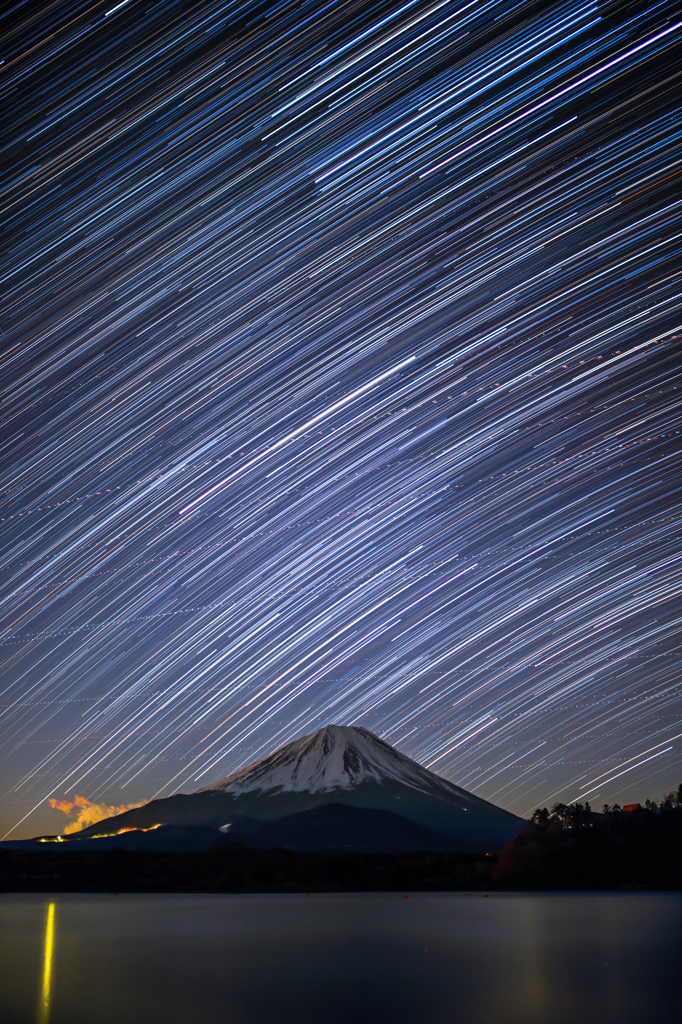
(335,765)
(336,757)
(339,827)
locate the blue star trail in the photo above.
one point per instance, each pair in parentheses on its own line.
(340,383)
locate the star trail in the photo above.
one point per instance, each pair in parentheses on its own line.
(340,383)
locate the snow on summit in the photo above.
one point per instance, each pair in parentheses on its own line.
(336,757)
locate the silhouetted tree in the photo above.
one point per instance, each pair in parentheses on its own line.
(673,799)
(559,813)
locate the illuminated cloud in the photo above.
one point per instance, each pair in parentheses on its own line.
(84,812)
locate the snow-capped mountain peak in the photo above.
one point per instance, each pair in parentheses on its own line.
(329,785)
(337,757)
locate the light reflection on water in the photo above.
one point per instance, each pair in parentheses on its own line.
(435,958)
(44,1004)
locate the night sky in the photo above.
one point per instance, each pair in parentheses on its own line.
(340,383)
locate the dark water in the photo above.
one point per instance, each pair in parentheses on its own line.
(325,959)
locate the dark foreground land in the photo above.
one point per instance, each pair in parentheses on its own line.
(640,850)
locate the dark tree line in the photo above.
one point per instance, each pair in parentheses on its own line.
(570,846)
(580,815)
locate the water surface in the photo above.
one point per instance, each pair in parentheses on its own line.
(434,958)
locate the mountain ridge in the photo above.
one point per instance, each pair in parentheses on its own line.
(335,765)
(334,757)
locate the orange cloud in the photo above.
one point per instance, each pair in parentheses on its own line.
(85,813)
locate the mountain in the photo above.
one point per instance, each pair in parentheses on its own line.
(339,827)
(337,765)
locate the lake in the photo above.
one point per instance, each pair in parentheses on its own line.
(433,958)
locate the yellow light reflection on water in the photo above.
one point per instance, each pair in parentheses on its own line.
(44,1007)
